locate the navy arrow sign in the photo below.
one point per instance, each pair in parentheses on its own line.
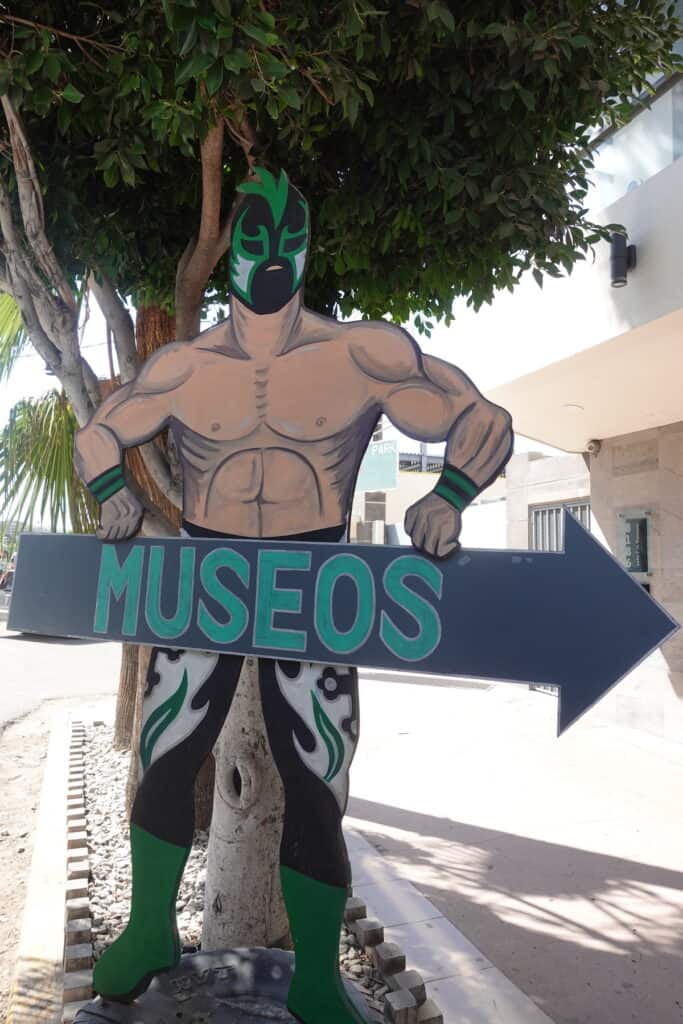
(574,619)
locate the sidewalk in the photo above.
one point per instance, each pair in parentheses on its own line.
(559,860)
(466,987)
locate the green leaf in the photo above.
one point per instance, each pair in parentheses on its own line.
(189,40)
(155,77)
(222,7)
(52,67)
(34,62)
(538,277)
(236,60)
(193,68)
(129,84)
(260,35)
(291,97)
(214,78)
(72,94)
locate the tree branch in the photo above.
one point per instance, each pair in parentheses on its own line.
(13,20)
(197,263)
(31,204)
(120,321)
(160,471)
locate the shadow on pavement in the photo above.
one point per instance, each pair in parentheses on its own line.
(588,936)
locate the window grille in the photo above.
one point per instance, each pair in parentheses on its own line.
(546,524)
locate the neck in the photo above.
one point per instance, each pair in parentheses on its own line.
(264,334)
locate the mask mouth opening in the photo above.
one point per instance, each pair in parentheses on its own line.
(272,286)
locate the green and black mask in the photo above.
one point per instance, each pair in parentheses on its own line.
(269,243)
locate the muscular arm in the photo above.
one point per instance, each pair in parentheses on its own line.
(430,400)
(133,414)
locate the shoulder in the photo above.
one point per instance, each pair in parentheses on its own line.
(383,351)
(168,368)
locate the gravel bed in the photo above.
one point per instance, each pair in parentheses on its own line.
(106,772)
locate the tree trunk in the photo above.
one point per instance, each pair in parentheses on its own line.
(143,656)
(243,904)
(125,699)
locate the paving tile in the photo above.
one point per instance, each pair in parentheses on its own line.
(486,997)
(437,949)
(367,866)
(356,841)
(395,902)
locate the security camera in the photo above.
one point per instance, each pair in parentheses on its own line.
(593,446)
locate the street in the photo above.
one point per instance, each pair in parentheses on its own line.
(35,669)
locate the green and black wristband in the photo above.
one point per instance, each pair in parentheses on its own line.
(106,484)
(455,487)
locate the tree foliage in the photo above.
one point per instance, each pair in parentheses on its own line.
(37,475)
(443,147)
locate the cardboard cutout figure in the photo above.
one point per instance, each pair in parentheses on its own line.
(271,412)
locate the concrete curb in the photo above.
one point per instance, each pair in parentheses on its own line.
(407,1001)
(36,996)
(78,951)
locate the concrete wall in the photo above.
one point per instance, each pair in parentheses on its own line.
(534,479)
(645,471)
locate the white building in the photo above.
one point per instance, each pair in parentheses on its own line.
(600,374)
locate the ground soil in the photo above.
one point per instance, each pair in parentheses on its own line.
(23,748)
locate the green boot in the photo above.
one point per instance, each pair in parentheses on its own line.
(150,942)
(315,911)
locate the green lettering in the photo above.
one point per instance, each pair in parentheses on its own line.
(238,616)
(330,573)
(412,648)
(270,599)
(165,628)
(118,580)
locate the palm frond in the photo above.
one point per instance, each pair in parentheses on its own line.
(37,475)
(13,335)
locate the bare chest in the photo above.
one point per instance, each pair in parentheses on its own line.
(307,395)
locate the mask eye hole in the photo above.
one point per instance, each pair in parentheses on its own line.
(253,246)
(292,243)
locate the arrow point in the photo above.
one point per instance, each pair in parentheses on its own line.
(623,627)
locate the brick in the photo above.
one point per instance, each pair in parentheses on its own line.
(429,1013)
(78,853)
(77,908)
(74,839)
(70,1010)
(77,985)
(78,957)
(76,824)
(368,931)
(76,888)
(77,811)
(77,869)
(355,909)
(400,1008)
(388,958)
(78,930)
(409,981)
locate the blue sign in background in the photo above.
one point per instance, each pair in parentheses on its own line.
(573,619)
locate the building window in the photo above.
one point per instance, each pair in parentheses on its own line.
(546,524)
(375,506)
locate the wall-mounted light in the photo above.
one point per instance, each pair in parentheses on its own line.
(622,258)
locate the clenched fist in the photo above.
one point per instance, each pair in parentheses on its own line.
(120,516)
(434,525)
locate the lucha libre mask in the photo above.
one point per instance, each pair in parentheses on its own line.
(269,243)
